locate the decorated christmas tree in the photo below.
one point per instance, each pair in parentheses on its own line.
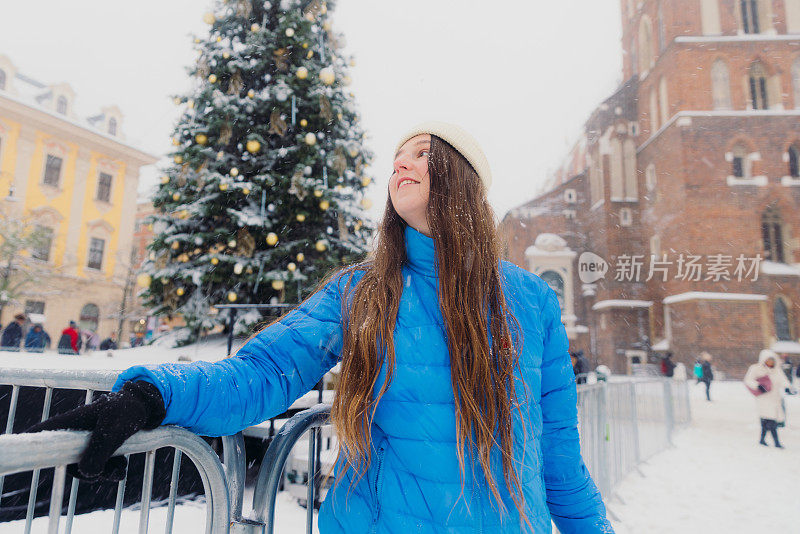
(266,193)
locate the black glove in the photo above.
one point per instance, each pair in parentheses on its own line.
(112,418)
(762,389)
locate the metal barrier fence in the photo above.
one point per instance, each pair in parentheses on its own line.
(622,423)
(223,483)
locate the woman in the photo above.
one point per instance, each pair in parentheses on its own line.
(456,406)
(707,375)
(767,379)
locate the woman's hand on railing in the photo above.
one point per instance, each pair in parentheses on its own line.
(112,418)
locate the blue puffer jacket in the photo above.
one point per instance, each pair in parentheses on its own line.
(413,483)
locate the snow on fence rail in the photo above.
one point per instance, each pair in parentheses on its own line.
(621,423)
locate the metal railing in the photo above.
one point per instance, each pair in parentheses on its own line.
(223,487)
(621,423)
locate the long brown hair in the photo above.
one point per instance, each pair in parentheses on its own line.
(472,305)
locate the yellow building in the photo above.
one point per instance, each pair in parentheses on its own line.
(78,178)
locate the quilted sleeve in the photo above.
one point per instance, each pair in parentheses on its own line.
(261,380)
(573,499)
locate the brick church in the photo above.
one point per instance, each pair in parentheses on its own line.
(674,223)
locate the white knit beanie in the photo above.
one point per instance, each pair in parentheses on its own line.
(461,141)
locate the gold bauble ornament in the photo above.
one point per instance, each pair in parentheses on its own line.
(232,243)
(176,141)
(365,181)
(305,45)
(178,159)
(347,80)
(301,217)
(180,291)
(177,101)
(183,258)
(165,180)
(253,146)
(324,205)
(311,139)
(223,187)
(219,38)
(352,62)
(340,116)
(220,155)
(197,251)
(234,172)
(249,270)
(326,26)
(238,268)
(152,256)
(175,245)
(245,191)
(358,225)
(255,27)
(212,78)
(300,256)
(321,245)
(183,214)
(150,227)
(226,54)
(214,261)
(164,281)
(251,93)
(201,139)
(190,104)
(318,193)
(323,9)
(292,267)
(366,203)
(302,73)
(289,32)
(272,239)
(176,196)
(277,285)
(232,297)
(310,54)
(303,123)
(209,18)
(327,76)
(144,280)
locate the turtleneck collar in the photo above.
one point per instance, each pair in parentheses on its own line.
(420,253)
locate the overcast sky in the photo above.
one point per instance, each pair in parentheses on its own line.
(521,76)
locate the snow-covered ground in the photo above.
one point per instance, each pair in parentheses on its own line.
(717,478)
(160,351)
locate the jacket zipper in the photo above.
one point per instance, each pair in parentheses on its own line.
(378,483)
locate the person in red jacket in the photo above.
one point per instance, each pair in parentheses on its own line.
(68,344)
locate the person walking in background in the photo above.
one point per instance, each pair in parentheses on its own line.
(12,335)
(69,341)
(768,383)
(698,370)
(667,365)
(35,340)
(707,375)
